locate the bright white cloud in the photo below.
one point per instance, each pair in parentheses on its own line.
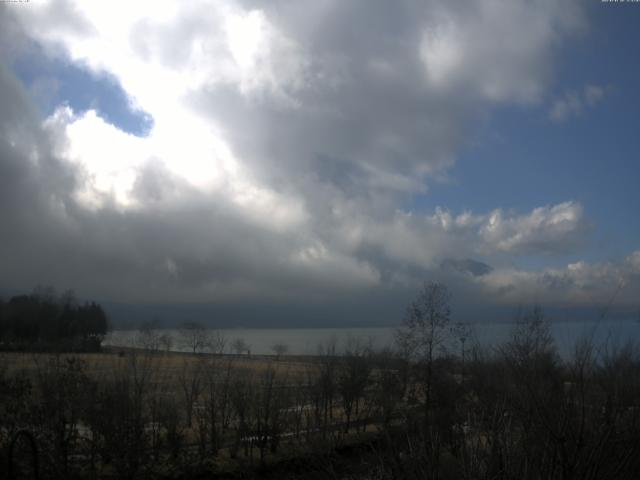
(427,240)
(112,161)
(495,50)
(580,283)
(550,229)
(225,45)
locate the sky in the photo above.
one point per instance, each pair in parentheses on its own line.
(314,163)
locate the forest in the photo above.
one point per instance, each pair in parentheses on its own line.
(44,321)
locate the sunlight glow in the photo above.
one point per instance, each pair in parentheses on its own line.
(187,143)
(246,36)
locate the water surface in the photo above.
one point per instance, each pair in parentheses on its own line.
(607,334)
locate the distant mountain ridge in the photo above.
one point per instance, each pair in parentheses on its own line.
(466,265)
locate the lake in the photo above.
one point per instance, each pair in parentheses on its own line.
(305,341)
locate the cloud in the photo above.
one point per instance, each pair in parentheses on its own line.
(551,229)
(173,243)
(573,103)
(495,51)
(285,139)
(388,89)
(427,240)
(577,284)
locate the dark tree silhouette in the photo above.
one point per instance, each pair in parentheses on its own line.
(43,321)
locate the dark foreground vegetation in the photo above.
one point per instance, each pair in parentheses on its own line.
(43,321)
(434,408)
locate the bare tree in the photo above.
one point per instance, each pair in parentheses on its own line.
(325,383)
(267,407)
(148,336)
(166,342)
(61,384)
(217,342)
(194,336)
(388,387)
(424,330)
(118,415)
(240,346)
(191,382)
(218,376)
(353,378)
(241,402)
(280,349)
(461,332)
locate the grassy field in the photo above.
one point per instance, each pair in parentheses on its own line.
(186,378)
(171,364)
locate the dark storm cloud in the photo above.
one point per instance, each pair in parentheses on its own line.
(33,183)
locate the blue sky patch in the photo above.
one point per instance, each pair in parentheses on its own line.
(54,82)
(522,158)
